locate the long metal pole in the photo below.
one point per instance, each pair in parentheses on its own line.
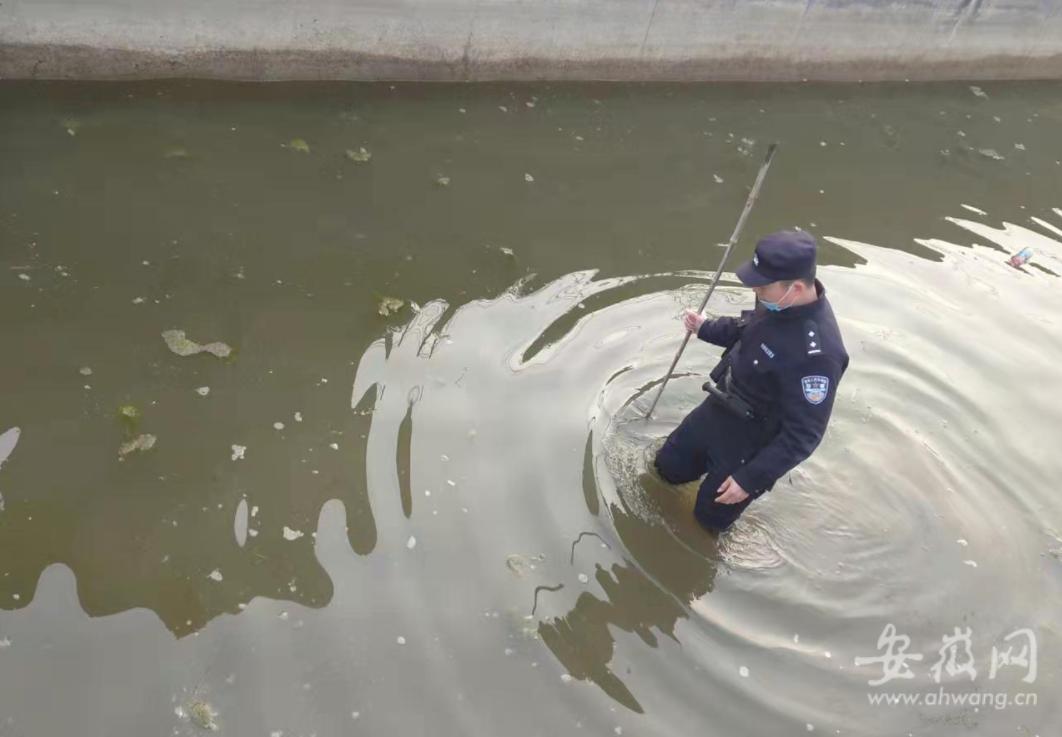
(718,272)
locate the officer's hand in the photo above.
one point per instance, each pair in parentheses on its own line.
(730,492)
(693,320)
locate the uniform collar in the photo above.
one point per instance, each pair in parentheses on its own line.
(803,310)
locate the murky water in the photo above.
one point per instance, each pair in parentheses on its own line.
(439,520)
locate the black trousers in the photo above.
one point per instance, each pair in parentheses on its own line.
(711,440)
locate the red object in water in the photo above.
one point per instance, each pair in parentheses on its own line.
(1020,258)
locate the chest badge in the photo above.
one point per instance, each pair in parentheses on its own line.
(815,388)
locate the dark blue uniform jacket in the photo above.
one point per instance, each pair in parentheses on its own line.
(787,365)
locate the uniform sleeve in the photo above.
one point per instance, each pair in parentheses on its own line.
(805,402)
(723,331)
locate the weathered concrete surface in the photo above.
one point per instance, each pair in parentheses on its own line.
(532,39)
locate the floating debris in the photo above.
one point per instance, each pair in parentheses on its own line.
(962,541)
(1019,146)
(71,126)
(177,342)
(215,575)
(8,441)
(990,153)
(528,177)
(507,251)
(503,108)
(442,181)
(24,277)
(298,144)
(360,156)
(971,208)
(978,91)
(290,534)
(400,640)
(298,417)
(718,179)
(85,371)
(129,416)
(138,300)
(411,543)
(240,523)
(971,563)
(334,446)
(389,305)
(1020,258)
(177,152)
(520,565)
(583,578)
(139,443)
(238,451)
(202,715)
(743,672)
(203,391)
(278,425)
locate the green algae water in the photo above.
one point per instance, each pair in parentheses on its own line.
(321,411)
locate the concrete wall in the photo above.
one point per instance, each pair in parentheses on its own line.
(532,39)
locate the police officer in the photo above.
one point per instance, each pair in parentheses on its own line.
(770,396)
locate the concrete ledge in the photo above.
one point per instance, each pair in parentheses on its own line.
(84,62)
(477,40)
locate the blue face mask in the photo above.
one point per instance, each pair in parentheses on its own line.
(776,306)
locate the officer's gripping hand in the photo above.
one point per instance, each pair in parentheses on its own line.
(693,320)
(730,492)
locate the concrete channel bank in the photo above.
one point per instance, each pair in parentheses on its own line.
(452,40)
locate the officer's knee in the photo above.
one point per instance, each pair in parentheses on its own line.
(670,466)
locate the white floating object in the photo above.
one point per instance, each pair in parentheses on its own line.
(334,446)
(411,543)
(278,425)
(8,441)
(24,277)
(203,391)
(583,578)
(811,727)
(238,451)
(215,575)
(566,678)
(971,563)
(743,672)
(290,534)
(962,541)
(971,208)
(240,523)
(400,640)
(85,371)
(528,177)
(450,483)
(355,714)
(298,417)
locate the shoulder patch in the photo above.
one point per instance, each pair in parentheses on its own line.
(815,388)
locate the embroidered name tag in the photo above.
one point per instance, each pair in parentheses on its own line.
(815,388)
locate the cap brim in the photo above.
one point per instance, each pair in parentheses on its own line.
(750,277)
